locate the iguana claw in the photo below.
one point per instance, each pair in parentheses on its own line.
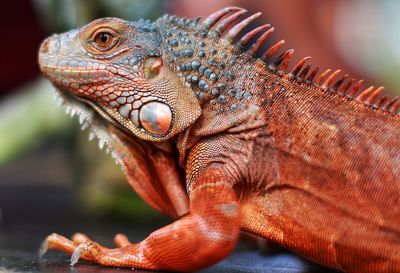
(76,255)
(44,246)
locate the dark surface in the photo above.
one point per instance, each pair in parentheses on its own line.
(243,261)
(40,211)
(33,205)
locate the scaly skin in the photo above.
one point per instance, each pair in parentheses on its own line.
(308,162)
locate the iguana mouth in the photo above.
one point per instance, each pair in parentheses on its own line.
(86,110)
(92,106)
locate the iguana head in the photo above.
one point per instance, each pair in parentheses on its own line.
(120,70)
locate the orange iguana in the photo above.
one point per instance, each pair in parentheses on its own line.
(224,141)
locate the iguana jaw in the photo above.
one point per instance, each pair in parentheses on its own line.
(96,122)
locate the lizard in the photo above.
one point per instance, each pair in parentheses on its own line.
(224,137)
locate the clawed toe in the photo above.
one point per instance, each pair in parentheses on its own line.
(121,240)
(81,247)
(80,238)
(87,250)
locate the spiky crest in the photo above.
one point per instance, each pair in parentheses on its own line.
(224,24)
(371,96)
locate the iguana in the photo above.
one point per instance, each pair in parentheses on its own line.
(224,137)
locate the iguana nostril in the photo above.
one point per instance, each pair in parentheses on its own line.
(45,46)
(50,45)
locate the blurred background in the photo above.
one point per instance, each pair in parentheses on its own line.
(51,174)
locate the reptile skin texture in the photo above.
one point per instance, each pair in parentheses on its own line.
(223,137)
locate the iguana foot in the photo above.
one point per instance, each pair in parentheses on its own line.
(82,247)
(79,241)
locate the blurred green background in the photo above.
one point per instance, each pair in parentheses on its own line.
(41,148)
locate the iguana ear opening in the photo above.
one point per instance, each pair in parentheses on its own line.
(152,67)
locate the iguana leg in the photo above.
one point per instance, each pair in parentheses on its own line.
(205,235)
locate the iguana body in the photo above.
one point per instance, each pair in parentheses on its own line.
(308,162)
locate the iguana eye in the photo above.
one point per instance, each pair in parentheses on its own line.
(104,40)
